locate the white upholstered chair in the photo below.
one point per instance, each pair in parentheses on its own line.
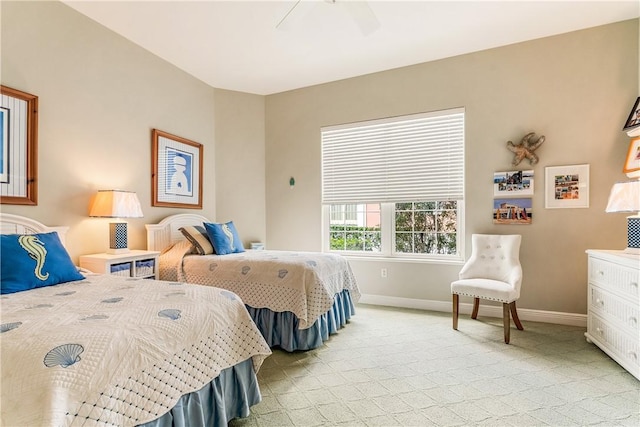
(493,272)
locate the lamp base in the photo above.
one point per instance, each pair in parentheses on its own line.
(633,235)
(118,238)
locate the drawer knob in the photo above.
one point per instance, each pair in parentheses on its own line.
(633,321)
(632,354)
(600,272)
(634,284)
(599,330)
(599,301)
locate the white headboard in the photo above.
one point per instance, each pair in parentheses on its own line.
(16,224)
(167,232)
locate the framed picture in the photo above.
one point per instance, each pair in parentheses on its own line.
(512,211)
(634,116)
(18,149)
(513,183)
(566,186)
(632,163)
(176,171)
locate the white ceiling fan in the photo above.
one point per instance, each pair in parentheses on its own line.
(359,10)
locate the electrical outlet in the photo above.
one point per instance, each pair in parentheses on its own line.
(383,272)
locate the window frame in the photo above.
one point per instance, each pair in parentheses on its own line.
(388,242)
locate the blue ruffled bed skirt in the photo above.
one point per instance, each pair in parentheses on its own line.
(281,329)
(227,397)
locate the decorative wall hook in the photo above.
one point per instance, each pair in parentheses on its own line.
(526,148)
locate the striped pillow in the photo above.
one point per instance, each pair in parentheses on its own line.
(197,235)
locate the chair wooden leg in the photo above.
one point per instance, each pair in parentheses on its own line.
(476,304)
(507,322)
(455,311)
(514,315)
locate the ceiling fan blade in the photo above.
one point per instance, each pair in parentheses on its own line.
(363,16)
(297,11)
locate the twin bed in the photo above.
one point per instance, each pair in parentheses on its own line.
(297,299)
(107,350)
(117,351)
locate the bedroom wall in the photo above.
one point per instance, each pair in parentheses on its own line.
(576,89)
(240,166)
(99,98)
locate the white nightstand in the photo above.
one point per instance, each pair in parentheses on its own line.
(135,263)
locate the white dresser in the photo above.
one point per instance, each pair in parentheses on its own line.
(613,319)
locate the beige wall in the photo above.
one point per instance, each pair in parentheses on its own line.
(240,165)
(99,96)
(575,89)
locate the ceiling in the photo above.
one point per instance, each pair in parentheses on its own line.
(235,45)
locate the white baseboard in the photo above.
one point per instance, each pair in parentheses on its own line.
(558,318)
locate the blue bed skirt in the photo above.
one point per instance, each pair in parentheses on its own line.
(281,329)
(228,396)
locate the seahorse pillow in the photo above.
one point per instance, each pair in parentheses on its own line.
(224,237)
(29,261)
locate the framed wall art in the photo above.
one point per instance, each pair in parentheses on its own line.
(18,149)
(176,171)
(567,186)
(513,183)
(632,163)
(512,211)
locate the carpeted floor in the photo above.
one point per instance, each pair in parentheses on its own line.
(399,367)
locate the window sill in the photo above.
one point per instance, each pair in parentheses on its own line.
(412,260)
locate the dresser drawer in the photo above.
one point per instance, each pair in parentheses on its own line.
(609,306)
(622,347)
(614,277)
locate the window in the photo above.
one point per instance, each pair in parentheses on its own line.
(394,187)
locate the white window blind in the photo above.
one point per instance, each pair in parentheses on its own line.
(409,158)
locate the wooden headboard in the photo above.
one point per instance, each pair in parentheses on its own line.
(16,224)
(162,235)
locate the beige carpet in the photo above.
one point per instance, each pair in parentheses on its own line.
(396,367)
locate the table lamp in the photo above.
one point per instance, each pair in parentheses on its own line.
(625,197)
(116,204)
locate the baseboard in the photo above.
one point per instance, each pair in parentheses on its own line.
(555,317)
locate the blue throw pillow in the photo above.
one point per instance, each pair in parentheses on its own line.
(224,237)
(31,261)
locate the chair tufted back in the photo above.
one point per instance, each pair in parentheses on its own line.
(495,257)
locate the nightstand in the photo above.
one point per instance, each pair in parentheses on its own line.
(135,263)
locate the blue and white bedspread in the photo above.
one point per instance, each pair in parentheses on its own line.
(303,283)
(113,351)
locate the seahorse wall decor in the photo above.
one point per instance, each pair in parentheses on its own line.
(526,148)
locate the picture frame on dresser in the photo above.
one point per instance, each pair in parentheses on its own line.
(634,116)
(176,171)
(632,163)
(18,152)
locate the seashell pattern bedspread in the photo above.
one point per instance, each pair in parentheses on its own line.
(116,351)
(303,283)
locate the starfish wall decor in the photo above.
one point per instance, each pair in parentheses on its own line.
(526,148)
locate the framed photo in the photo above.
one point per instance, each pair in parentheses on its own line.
(632,163)
(176,171)
(513,183)
(18,149)
(566,186)
(634,116)
(512,211)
